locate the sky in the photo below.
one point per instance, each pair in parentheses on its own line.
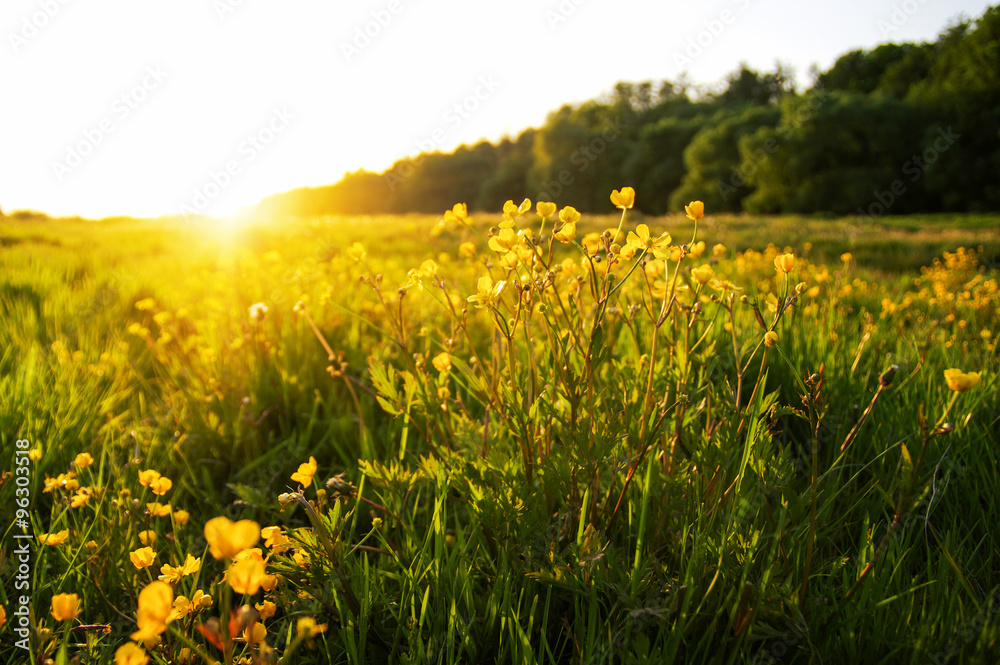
(143,108)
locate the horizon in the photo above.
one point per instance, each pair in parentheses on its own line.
(132,144)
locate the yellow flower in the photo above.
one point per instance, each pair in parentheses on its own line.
(83,460)
(227,538)
(65,606)
(488,292)
(784,263)
(157,509)
(130,653)
(959,381)
(467,249)
(357,252)
(155,604)
(245,575)
(277,541)
(566,232)
(35,454)
(170,574)
(504,241)
(305,473)
(145,304)
(846,257)
(512,212)
(258,311)
(442,362)
(307,627)
(266,609)
(545,209)
(569,215)
(695,210)
(181,517)
(57,538)
(719,251)
(770,339)
(642,240)
(147,537)
(702,274)
(81,497)
(147,477)
(142,557)
(255,633)
(3,616)
(458,213)
(623,199)
(697,249)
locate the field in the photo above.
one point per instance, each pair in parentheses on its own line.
(474,444)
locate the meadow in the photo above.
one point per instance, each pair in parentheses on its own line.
(507,437)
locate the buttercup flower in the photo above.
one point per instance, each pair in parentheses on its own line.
(642,240)
(227,538)
(307,627)
(181,517)
(504,241)
(545,209)
(170,574)
(57,538)
(147,537)
(442,362)
(770,339)
(458,213)
(155,603)
(695,210)
(65,606)
(305,473)
(245,575)
(266,609)
(784,263)
(512,212)
(157,509)
(703,274)
(130,654)
(83,460)
(142,557)
(488,292)
(960,381)
(623,199)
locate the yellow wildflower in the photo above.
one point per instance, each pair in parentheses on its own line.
(960,381)
(227,538)
(65,606)
(305,473)
(623,199)
(695,210)
(142,557)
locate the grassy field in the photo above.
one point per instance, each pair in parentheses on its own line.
(565,462)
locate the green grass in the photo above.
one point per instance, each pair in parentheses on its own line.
(476,519)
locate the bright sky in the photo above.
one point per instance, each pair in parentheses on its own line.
(147,108)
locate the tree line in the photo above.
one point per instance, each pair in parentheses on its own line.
(900,128)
